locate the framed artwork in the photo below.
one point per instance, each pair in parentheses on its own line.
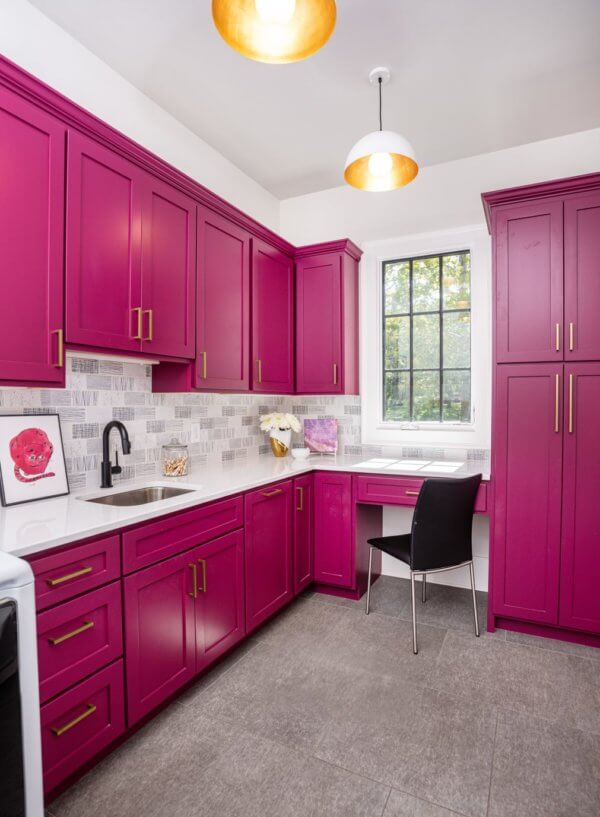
(321,436)
(32,458)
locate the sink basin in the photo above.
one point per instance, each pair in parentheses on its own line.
(140,496)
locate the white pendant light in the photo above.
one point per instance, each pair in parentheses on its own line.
(381,160)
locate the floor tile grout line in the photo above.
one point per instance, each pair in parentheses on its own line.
(218,675)
(430,802)
(489,797)
(386,802)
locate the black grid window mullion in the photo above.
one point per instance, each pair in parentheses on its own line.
(441,303)
(410,341)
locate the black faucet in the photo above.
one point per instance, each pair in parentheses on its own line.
(108,469)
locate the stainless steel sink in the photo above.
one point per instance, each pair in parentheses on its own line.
(140,496)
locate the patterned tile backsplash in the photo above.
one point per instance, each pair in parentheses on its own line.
(217,427)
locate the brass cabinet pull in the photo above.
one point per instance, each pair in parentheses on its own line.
(67,578)
(272,493)
(558,337)
(412,493)
(557,404)
(570,404)
(150,313)
(87,625)
(202,563)
(335,374)
(138,311)
(61,348)
(203,355)
(300,506)
(259,366)
(60,730)
(194,591)
(571,337)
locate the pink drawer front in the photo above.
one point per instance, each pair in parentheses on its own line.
(381,490)
(75,570)
(77,638)
(81,722)
(170,535)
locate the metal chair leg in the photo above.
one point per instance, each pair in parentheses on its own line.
(424,589)
(472,573)
(369,581)
(414,612)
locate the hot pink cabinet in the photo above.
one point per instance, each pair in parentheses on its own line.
(32,146)
(269,552)
(303,532)
(223,305)
(582,277)
(334,540)
(580,553)
(272,319)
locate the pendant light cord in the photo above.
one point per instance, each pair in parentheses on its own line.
(380,118)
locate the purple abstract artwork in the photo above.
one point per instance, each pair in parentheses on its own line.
(321,436)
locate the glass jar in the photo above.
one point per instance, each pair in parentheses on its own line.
(175,459)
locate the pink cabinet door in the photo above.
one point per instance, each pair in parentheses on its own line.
(220,619)
(582,277)
(168,270)
(103,247)
(580,552)
(223,305)
(529,282)
(32,147)
(318,324)
(334,540)
(160,636)
(303,532)
(272,320)
(268,557)
(527,450)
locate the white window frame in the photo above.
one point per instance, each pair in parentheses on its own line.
(375,431)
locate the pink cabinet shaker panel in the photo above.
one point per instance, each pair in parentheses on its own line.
(168,270)
(223,305)
(527,450)
(272,320)
(78,637)
(32,147)
(334,540)
(103,247)
(580,562)
(268,557)
(529,282)
(582,277)
(303,532)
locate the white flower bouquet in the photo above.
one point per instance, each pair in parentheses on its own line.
(280,427)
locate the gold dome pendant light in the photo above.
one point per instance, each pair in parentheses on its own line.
(381,160)
(275,31)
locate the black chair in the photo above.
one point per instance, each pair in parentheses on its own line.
(440,537)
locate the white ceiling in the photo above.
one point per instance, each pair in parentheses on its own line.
(469,76)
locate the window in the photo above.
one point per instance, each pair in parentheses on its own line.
(427,339)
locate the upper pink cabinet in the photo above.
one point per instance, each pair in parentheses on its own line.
(272,319)
(223,305)
(582,277)
(32,147)
(130,256)
(327,319)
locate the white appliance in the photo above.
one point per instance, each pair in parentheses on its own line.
(21,789)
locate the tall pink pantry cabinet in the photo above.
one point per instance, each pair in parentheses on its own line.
(545,536)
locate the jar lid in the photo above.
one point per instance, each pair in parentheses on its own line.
(174,444)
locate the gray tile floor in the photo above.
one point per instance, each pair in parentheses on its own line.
(327,712)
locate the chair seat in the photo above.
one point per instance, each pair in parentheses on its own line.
(396,546)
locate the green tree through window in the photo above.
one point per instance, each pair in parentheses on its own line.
(427,339)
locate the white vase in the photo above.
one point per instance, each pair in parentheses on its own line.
(281,440)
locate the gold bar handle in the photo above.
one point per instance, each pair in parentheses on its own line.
(203,355)
(558,337)
(259,366)
(571,336)
(335,374)
(300,506)
(150,313)
(69,576)
(138,311)
(194,591)
(570,404)
(60,730)
(557,403)
(411,493)
(61,348)
(202,563)
(272,493)
(87,625)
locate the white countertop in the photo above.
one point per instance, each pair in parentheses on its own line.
(49,523)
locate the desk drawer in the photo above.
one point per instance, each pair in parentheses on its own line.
(170,535)
(77,638)
(75,570)
(378,490)
(81,722)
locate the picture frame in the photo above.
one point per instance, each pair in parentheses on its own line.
(321,435)
(32,458)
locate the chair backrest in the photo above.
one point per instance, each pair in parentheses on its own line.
(443,522)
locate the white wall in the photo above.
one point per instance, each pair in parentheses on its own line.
(38,45)
(442,196)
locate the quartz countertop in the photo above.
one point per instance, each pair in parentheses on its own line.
(38,526)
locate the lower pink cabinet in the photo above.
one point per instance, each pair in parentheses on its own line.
(81,722)
(179,615)
(334,541)
(303,532)
(268,568)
